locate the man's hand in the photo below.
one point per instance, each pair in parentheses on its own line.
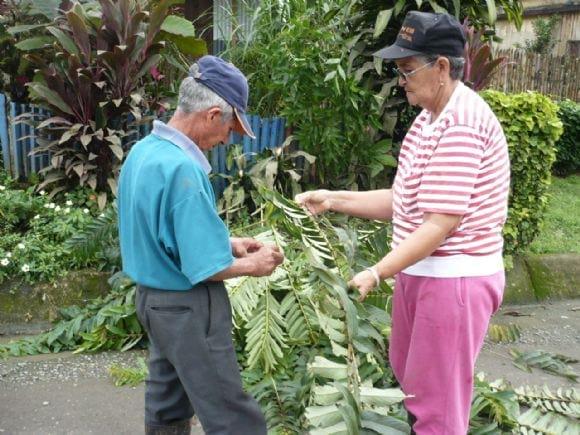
(265,260)
(364,282)
(315,201)
(242,246)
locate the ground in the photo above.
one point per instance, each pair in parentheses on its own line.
(73,394)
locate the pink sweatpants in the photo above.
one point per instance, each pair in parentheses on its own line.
(438,329)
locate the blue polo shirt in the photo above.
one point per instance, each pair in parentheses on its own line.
(170,232)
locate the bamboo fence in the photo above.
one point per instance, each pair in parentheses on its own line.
(556,76)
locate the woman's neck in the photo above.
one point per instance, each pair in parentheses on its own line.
(442,98)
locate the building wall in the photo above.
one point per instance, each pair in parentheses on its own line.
(568,29)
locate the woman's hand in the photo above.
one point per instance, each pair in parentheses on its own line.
(315,201)
(364,282)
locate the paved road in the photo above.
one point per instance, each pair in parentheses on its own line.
(74,394)
(69,394)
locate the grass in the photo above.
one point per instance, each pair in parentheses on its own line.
(561,229)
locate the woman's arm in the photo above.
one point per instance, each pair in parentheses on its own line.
(420,244)
(372,204)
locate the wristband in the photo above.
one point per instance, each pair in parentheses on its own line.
(373,270)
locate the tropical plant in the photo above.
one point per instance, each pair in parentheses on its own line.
(95,86)
(480,65)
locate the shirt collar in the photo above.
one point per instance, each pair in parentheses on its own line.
(182,141)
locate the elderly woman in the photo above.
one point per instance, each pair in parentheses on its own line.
(448,205)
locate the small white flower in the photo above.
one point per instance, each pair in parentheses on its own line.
(51,205)
(2,187)
(67,210)
(25,268)
(37,216)
(46,206)
(42,193)
(20,246)
(8,254)
(5,262)
(69,203)
(102,215)
(57,208)
(85,210)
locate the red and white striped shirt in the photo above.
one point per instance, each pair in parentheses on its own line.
(458,165)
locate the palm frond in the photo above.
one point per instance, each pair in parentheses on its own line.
(562,401)
(504,333)
(265,336)
(549,362)
(534,421)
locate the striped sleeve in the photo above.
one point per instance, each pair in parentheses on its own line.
(448,180)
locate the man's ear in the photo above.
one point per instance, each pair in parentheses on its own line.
(214,112)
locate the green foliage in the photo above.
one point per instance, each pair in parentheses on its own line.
(301,65)
(281,169)
(549,362)
(34,230)
(106,323)
(130,376)
(16,20)
(97,84)
(532,127)
(543,41)
(567,147)
(560,231)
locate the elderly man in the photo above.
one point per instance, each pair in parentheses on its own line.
(178,250)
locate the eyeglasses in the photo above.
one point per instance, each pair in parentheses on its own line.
(406,75)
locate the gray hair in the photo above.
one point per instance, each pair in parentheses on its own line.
(456,64)
(195,97)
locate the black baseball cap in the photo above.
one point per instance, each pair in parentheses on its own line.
(426,33)
(229,83)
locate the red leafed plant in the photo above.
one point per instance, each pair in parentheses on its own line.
(480,65)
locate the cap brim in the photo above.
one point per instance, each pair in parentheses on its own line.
(395,52)
(242,124)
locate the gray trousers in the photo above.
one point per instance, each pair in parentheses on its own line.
(192,362)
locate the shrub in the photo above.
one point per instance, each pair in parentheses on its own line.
(531,125)
(34,231)
(567,147)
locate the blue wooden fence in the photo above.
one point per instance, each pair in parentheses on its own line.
(18,139)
